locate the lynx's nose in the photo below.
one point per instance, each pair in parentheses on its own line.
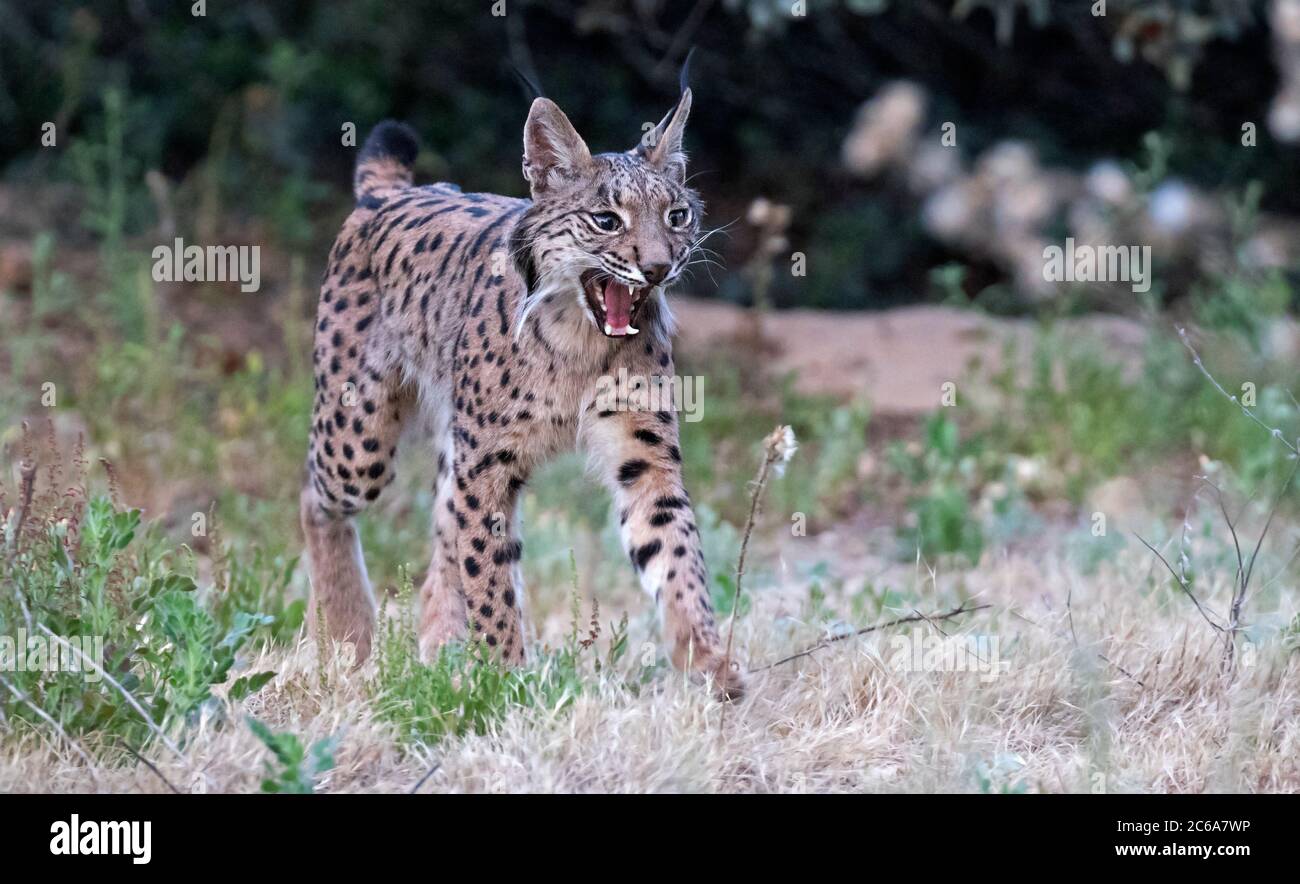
(654,273)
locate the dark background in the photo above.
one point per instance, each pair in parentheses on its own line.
(244,105)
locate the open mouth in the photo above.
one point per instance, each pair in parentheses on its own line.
(614,304)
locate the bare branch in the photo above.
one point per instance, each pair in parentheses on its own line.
(1243,582)
(1232,528)
(424,779)
(1196,360)
(963,608)
(149,764)
(778,446)
(1182,583)
(1245,567)
(1122,671)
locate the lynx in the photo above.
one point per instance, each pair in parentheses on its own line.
(490,321)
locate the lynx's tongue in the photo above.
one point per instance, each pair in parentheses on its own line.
(618,309)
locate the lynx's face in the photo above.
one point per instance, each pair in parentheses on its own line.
(635,229)
(611,230)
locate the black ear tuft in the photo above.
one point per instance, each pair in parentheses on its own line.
(531,89)
(684,78)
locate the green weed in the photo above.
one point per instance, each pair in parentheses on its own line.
(94,576)
(297,768)
(465,690)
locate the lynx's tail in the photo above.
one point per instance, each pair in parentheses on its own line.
(385,161)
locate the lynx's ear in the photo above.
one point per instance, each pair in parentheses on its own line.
(554,152)
(662,146)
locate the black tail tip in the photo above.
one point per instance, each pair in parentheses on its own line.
(392,139)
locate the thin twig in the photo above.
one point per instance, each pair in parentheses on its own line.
(26,484)
(1238,585)
(424,779)
(963,608)
(1100,655)
(778,446)
(759,484)
(1232,528)
(1196,360)
(149,764)
(1245,568)
(1182,583)
(1250,566)
(1243,584)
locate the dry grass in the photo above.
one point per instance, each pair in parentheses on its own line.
(1058,719)
(1112,680)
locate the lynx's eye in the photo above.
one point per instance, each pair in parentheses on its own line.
(606,221)
(679,217)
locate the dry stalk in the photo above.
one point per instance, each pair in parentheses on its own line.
(1074,636)
(26,484)
(931,619)
(779,446)
(1245,566)
(149,764)
(1200,365)
(433,769)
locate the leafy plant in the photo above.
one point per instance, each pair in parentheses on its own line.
(88,574)
(297,768)
(944,474)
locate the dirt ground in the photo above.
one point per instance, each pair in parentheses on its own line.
(898,359)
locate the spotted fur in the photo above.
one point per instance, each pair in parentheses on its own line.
(472,314)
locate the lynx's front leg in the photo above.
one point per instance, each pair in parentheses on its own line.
(638,454)
(488,480)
